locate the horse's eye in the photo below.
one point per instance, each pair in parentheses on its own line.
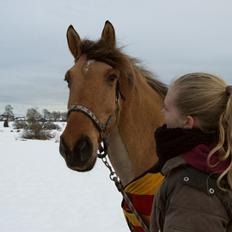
(67,78)
(68,82)
(112,77)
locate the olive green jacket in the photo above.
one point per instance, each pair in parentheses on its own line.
(190,201)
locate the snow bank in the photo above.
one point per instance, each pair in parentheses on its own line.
(38,193)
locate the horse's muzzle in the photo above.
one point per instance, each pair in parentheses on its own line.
(81,157)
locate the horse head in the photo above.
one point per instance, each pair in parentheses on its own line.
(94,93)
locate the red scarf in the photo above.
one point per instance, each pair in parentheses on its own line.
(197,158)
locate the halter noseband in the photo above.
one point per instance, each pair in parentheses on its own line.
(100,126)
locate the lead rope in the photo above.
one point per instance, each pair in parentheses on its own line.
(102,154)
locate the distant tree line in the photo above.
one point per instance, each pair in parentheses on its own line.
(55,116)
(35,125)
(46,115)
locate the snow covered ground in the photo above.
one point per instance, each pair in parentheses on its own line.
(38,193)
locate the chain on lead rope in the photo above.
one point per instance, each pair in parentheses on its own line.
(102,154)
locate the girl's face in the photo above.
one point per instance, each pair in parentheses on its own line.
(173,117)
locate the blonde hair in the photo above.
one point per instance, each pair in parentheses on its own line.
(207,98)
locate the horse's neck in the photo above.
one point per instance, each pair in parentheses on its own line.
(119,157)
(132,145)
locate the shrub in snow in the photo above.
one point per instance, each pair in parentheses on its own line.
(35,130)
(51,126)
(35,127)
(19,125)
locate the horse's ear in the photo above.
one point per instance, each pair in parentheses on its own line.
(108,34)
(74,42)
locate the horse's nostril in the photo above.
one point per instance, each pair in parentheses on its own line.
(81,153)
(63,148)
(83,145)
(83,149)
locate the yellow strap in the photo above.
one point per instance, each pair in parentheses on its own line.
(146,185)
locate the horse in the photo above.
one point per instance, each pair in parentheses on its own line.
(112,97)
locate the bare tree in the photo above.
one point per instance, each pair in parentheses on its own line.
(9,111)
(46,114)
(55,116)
(8,114)
(33,115)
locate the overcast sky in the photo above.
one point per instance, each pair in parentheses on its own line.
(170,37)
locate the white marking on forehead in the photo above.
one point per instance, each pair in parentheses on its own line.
(88,63)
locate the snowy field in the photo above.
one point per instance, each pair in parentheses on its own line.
(38,193)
